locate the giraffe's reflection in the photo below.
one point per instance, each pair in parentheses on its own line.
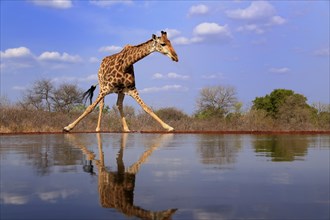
(116,188)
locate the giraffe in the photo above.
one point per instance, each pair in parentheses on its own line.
(116,75)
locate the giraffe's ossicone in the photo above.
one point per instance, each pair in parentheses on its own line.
(116,75)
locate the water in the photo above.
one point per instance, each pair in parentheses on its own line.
(164,176)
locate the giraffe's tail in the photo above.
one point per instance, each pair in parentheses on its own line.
(89,94)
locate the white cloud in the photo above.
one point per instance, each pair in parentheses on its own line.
(163,88)
(56,56)
(185,40)
(259,16)
(16,58)
(94,59)
(15,65)
(211,28)
(170,75)
(12,199)
(277,20)
(213,76)
(64,79)
(323,52)
(257,10)
(110,49)
(22,57)
(279,70)
(198,10)
(205,31)
(16,52)
(109,3)
(53,196)
(89,78)
(19,88)
(60,4)
(206,214)
(158,76)
(263,27)
(181,41)
(251,27)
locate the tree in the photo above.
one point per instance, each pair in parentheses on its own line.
(44,89)
(4,101)
(43,95)
(295,111)
(288,108)
(66,97)
(216,101)
(323,115)
(39,96)
(272,102)
(321,107)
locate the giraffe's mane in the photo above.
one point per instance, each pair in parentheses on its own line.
(142,44)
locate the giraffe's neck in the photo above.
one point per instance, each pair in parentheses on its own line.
(135,53)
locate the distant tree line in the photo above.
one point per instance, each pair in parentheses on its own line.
(218,108)
(281,107)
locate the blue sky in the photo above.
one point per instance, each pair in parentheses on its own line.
(255,46)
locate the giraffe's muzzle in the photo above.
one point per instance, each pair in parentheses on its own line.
(174,57)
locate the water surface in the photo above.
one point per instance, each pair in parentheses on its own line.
(164,176)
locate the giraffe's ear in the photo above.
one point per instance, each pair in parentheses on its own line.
(154,37)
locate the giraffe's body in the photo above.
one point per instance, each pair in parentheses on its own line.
(116,75)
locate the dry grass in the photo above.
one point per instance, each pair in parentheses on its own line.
(14,119)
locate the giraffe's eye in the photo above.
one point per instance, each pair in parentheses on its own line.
(163,44)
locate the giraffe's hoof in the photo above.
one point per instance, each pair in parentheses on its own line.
(170,128)
(66,129)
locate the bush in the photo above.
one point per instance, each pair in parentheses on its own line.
(171,114)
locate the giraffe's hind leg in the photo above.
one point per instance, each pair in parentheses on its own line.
(134,93)
(120,101)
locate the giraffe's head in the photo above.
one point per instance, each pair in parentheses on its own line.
(163,45)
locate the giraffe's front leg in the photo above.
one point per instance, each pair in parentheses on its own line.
(101,105)
(120,101)
(134,93)
(88,110)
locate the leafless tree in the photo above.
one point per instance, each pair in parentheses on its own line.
(66,97)
(44,88)
(39,96)
(4,101)
(321,107)
(43,95)
(216,101)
